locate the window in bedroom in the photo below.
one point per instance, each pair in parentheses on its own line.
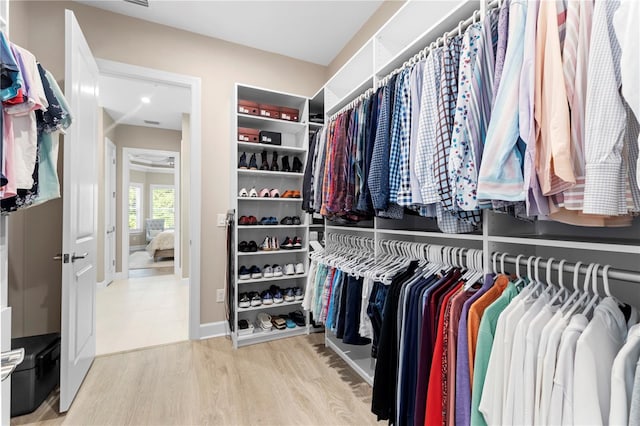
(163,204)
(135,207)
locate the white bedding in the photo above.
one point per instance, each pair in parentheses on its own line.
(162,241)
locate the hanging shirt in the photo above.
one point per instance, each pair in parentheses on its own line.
(501,178)
(379,170)
(553,140)
(400,132)
(486,334)
(426,149)
(625,22)
(634,411)
(415,80)
(501,50)
(595,353)
(622,376)
(605,119)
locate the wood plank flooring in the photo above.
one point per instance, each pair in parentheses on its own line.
(295,381)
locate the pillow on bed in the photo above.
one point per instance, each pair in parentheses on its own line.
(154,232)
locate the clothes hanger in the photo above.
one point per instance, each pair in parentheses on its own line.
(561,290)
(594,287)
(576,291)
(585,295)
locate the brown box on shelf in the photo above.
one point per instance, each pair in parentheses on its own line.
(289,114)
(248,107)
(270,111)
(246,134)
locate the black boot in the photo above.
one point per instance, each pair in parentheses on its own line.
(297,165)
(265,163)
(274,162)
(285,164)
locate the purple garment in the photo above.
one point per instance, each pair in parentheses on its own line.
(463,381)
(501,51)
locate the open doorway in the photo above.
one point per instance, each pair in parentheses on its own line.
(146,303)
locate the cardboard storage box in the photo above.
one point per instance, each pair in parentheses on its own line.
(289,114)
(246,134)
(248,107)
(270,111)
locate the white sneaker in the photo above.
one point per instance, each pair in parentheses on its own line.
(243,193)
(289,269)
(267,272)
(299,268)
(277,270)
(253,193)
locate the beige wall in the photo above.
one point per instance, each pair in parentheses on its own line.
(146,179)
(368,29)
(137,137)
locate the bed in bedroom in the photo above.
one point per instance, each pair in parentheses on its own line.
(162,245)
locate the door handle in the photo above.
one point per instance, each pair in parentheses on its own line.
(9,361)
(80,256)
(58,257)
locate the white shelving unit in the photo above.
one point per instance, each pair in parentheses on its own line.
(414,26)
(294,144)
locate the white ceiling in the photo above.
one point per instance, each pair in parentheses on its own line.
(310,30)
(122,100)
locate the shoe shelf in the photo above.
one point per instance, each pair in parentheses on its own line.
(261,336)
(265,252)
(274,279)
(271,226)
(294,145)
(273,305)
(270,200)
(247,172)
(259,147)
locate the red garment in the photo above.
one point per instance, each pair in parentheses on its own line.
(18,99)
(435,399)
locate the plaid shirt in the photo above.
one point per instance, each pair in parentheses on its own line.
(398,134)
(404,195)
(379,170)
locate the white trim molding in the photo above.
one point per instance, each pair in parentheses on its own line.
(194,84)
(214,329)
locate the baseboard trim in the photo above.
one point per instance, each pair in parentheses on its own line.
(101,284)
(120,276)
(214,329)
(185,281)
(136,248)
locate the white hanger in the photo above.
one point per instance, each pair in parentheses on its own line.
(594,288)
(585,295)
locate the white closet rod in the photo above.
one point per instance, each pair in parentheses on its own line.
(617,274)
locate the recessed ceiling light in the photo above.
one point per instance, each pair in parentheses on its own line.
(145,100)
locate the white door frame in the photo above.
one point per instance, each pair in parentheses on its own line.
(195,180)
(126,170)
(109,203)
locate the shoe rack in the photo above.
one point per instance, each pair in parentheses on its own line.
(294,144)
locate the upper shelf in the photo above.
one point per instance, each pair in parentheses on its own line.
(266,96)
(404,34)
(258,147)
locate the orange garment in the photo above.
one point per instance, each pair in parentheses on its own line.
(475,315)
(553,131)
(433,413)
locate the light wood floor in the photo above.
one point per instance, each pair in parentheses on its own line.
(295,381)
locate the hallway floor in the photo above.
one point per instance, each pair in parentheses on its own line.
(141,312)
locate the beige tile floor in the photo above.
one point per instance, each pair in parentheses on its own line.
(141,312)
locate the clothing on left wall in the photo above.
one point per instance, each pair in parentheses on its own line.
(34,112)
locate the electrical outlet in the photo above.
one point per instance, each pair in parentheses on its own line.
(222,219)
(220,295)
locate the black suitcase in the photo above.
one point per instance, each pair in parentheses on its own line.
(39,374)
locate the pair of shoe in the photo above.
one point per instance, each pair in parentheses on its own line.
(270,244)
(250,299)
(291,269)
(272,271)
(247,247)
(271,220)
(291,194)
(264,164)
(253,272)
(269,193)
(251,193)
(252,165)
(292,294)
(290,220)
(264,321)
(291,244)
(247,220)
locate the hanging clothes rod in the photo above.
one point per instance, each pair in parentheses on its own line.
(354,103)
(616,274)
(422,54)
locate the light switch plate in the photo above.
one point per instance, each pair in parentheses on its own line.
(222,219)
(220,295)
